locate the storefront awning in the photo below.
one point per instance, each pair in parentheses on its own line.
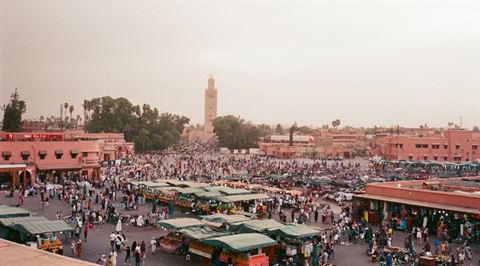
(237,198)
(25,153)
(42,152)
(258,225)
(298,230)
(59,152)
(73,151)
(6,153)
(419,203)
(45,167)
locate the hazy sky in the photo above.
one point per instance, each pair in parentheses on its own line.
(364,62)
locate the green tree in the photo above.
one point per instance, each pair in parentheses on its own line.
(12,113)
(305,130)
(234,133)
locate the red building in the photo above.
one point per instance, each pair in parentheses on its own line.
(449,145)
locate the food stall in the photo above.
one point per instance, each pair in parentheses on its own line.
(175,239)
(42,234)
(258,226)
(196,235)
(219,220)
(243,249)
(245,202)
(148,189)
(10,212)
(295,240)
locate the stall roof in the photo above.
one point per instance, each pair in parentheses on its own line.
(298,230)
(241,242)
(228,190)
(149,184)
(186,184)
(236,198)
(419,203)
(184,190)
(180,223)
(219,218)
(40,227)
(14,220)
(208,194)
(201,232)
(10,212)
(261,225)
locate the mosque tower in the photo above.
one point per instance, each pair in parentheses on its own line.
(210,107)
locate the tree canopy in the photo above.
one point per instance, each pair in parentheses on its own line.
(234,133)
(12,113)
(146,127)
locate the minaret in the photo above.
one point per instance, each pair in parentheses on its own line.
(210,107)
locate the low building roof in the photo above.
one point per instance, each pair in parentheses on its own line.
(241,242)
(16,254)
(418,203)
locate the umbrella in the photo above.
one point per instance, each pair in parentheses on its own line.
(119,226)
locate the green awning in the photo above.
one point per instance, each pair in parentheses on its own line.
(207,194)
(299,230)
(259,225)
(190,184)
(220,219)
(10,212)
(180,223)
(228,190)
(241,242)
(201,232)
(237,198)
(14,220)
(40,227)
(183,190)
(149,184)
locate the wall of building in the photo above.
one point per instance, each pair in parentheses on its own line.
(453,145)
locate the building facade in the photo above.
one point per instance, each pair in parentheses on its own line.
(210,108)
(449,145)
(49,155)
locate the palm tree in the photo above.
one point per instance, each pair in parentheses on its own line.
(70,110)
(65,105)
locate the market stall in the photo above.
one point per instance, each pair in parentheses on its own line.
(219,220)
(42,234)
(175,239)
(10,212)
(247,202)
(295,240)
(259,226)
(243,249)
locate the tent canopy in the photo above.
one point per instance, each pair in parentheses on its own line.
(15,220)
(241,242)
(237,198)
(180,223)
(201,232)
(40,227)
(10,212)
(298,230)
(260,225)
(189,184)
(207,194)
(220,219)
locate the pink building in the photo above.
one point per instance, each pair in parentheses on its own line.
(450,145)
(49,155)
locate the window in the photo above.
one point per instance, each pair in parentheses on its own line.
(435,158)
(425,146)
(25,155)
(6,155)
(457,147)
(73,153)
(84,154)
(410,157)
(58,154)
(435,146)
(445,146)
(42,155)
(418,146)
(474,146)
(425,158)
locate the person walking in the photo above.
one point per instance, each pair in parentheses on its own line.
(85,232)
(79,248)
(137,257)
(127,255)
(153,243)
